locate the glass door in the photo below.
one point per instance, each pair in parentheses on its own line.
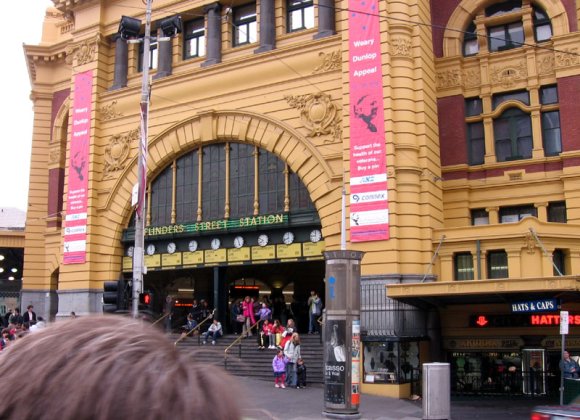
(534,371)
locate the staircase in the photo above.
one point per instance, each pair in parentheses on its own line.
(244,358)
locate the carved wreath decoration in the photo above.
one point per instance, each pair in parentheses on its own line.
(117,151)
(317,112)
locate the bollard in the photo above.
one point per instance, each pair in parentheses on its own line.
(436,391)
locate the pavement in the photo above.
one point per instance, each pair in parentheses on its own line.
(261,400)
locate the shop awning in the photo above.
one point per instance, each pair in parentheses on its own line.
(443,293)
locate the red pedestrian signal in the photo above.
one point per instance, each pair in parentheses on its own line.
(482,321)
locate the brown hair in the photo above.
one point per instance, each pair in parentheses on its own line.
(109,368)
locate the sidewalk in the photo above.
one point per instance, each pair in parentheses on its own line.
(262,401)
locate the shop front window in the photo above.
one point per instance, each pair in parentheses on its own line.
(391,362)
(486,372)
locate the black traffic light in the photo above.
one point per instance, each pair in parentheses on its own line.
(115,296)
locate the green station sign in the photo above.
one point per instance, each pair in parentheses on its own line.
(217,225)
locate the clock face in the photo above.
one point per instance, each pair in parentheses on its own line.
(288,238)
(171,247)
(263,239)
(238,241)
(150,249)
(215,243)
(315,235)
(192,246)
(130,251)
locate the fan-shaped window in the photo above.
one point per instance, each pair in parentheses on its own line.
(503,8)
(224,186)
(513,135)
(542,25)
(470,41)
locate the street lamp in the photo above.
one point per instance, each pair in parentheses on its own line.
(130,29)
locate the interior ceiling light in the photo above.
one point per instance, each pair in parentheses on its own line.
(14,269)
(1,257)
(11,278)
(1,270)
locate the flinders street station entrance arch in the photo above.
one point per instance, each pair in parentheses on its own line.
(225,220)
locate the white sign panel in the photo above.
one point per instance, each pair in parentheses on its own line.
(564,322)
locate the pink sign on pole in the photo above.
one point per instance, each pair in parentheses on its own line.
(369,205)
(75,232)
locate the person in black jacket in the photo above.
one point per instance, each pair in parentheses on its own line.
(301,372)
(29,317)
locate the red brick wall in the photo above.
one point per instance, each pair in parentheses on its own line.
(452,134)
(568,94)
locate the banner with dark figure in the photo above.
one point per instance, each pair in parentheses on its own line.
(335,363)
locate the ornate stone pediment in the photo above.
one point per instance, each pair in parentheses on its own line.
(318,114)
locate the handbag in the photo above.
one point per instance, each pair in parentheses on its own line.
(240,318)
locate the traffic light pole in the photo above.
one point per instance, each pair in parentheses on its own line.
(138,255)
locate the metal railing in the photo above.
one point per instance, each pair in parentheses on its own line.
(238,341)
(196,328)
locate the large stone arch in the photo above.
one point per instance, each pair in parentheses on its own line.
(464,12)
(208,127)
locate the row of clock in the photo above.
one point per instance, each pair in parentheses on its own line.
(239,241)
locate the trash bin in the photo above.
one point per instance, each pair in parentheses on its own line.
(436,391)
(571,389)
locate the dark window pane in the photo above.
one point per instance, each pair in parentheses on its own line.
(153,56)
(299,196)
(476,146)
(542,25)
(194,39)
(186,193)
(479,217)
(213,182)
(473,107)
(161,191)
(519,95)
(559,259)
(245,29)
(505,37)
(503,8)
(241,180)
(513,135)
(271,183)
(549,95)
(551,134)
(557,212)
(516,213)
(300,15)
(497,265)
(463,264)
(470,42)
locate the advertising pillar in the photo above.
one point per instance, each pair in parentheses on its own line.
(342,335)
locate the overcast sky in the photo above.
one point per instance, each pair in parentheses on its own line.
(22,24)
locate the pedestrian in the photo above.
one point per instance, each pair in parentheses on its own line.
(264,335)
(213,332)
(287,333)
(279,367)
(569,366)
(248,313)
(314,311)
(29,317)
(277,330)
(15,318)
(292,353)
(301,373)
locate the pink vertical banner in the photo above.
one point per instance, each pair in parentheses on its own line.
(75,232)
(369,205)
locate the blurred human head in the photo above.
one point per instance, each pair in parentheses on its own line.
(109,368)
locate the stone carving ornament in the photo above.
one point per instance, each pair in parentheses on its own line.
(108,112)
(401,47)
(117,152)
(318,114)
(508,75)
(83,52)
(330,62)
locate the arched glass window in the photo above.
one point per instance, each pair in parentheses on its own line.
(542,25)
(213,182)
(470,42)
(513,135)
(271,183)
(241,180)
(161,197)
(186,192)
(231,165)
